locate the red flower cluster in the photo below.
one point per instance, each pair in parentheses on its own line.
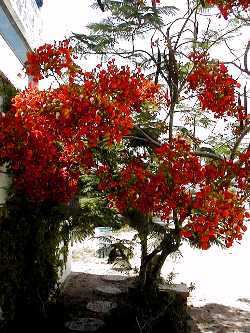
(181,182)
(49,60)
(215,211)
(48,136)
(215,215)
(43,162)
(128,187)
(240,171)
(226,7)
(154,2)
(214,86)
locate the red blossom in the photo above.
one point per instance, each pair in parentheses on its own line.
(48,136)
(229,6)
(215,88)
(200,194)
(154,2)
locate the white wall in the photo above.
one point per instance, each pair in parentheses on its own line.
(11,66)
(26,16)
(67,269)
(5,182)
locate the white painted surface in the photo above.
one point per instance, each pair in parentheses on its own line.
(67,268)
(27,16)
(220,276)
(5,182)
(11,66)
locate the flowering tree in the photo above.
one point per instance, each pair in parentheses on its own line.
(198,185)
(109,122)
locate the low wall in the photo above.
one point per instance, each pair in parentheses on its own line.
(5,182)
(67,268)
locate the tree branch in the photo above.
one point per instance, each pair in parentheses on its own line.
(150,139)
(238,141)
(220,38)
(184,25)
(245,57)
(101,5)
(245,70)
(208,155)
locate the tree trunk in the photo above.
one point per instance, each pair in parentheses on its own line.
(144,258)
(151,264)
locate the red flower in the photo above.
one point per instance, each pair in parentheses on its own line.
(48,136)
(229,6)
(214,86)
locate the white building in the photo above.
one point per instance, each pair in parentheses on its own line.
(20,31)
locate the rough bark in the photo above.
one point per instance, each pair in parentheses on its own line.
(151,264)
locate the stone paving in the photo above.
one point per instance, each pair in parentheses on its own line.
(101,306)
(108,290)
(84,325)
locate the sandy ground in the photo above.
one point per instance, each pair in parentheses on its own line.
(220,302)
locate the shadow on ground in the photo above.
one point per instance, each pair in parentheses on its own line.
(218,318)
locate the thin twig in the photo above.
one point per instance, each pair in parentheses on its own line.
(238,141)
(245,57)
(139,326)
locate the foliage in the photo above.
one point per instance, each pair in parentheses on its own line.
(34,241)
(34,245)
(91,209)
(7,92)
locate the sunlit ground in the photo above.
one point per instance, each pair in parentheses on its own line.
(218,275)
